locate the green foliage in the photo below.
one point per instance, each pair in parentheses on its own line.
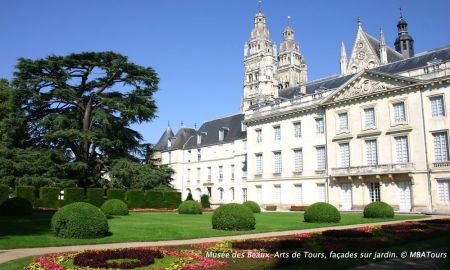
(49,197)
(135,198)
(172,199)
(79,220)
(254,206)
(190,207)
(4,193)
(322,213)
(378,210)
(204,199)
(116,193)
(72,195)
(16,207)
(154,199)
(86,102)
(26,192)
(115,207)
(234,217)
(95,196)
(127,173)
(189,197)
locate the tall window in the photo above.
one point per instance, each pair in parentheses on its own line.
(297,130)
(259,160)
(298,160)
(343,121)
(221,194)
(401,149)
(170,157)
(437,106)
(371,152)
(258,135)
(277,133)
(399,112)
(374,191)
(298,194)
(321,195)
(277,162)
(221,134)
(220,173)
(345,154)
(277,194)
(440,146)
(444,191)
(189,156)
(232,171)
(320,157)
(320,129)
(369,114)
(232,193)
(198,174)
(209,173)
(259,194)
(244,194)
(188,175)
(199,154)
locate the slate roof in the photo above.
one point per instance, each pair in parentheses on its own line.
(162,143)
(392,55)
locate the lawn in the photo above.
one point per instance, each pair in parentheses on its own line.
(34,231)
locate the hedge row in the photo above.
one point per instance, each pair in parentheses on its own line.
(135,198)
(4,193)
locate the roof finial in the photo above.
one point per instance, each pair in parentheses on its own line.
(289,20)
(359,21)
(259,5)
(401,13)
(182,123)
(195,125)
(168,123)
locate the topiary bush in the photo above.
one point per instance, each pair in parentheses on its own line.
(154,199)
(79,220)
(135,198)
(49,197)
(172,199)
(204,199)
(190,208)
(72,195)
(322,212)
(26,192)
(116,193)
(16,207)
(378,210)
(115,207)
(189,197)
(233,217)
(95,196)
(4,193)
(254,206)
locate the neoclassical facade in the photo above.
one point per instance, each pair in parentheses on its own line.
(379,130)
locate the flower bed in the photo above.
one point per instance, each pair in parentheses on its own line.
(103,258)
(352,233)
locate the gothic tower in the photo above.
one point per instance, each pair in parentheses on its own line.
(404,43)
(292,69)
(259,65)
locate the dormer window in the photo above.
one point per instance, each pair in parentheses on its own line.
(243,127)
(169,143)
(199,139)
(222,133)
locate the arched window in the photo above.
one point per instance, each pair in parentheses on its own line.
(198,194)
(221,193)
(232,193)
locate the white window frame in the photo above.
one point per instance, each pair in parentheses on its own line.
(321,192)
(443,187)
(258,135)
(209,173)
(258,163)
(277,133)
(344,155)
(343,122)
(199,174)
(398,158)
(435,110)
(374,189)
(232,171)
(220,172)
(298,193)
(371,158)
(298,160)
(396,120)
(320,125)
(277,162)
(297,129)
(188,175)
(441,153)
(370,119)
(321,161)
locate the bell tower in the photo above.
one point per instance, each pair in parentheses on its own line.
(404,43)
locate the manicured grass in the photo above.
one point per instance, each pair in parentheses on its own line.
(34,231)
(18,264)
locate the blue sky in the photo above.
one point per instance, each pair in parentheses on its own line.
(196,46)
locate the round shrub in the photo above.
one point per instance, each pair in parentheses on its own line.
(378,210)
(16,207)
(322,212)
(115,207)
(233,217)
(79,220)
(254,206)
(190,207)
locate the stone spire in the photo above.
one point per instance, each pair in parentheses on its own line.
(383,49)
(292,69)
(404,43)
(343,59)
(259,65)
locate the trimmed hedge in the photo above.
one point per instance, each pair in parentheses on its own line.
(4,193)
(234,217)
(26,192)
(115,193)
(254,206)
(378,210)
(49,197)
(115,207)
(190,208)
(95,196)
(172,199)
(204,199)
(135,198)
(322,212)
(16,207)
(154,199)
(79,220)
(72,195)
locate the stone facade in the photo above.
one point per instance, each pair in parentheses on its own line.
(377,131)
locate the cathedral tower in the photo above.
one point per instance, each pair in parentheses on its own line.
(292,70)
(404,43)
(259,65)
